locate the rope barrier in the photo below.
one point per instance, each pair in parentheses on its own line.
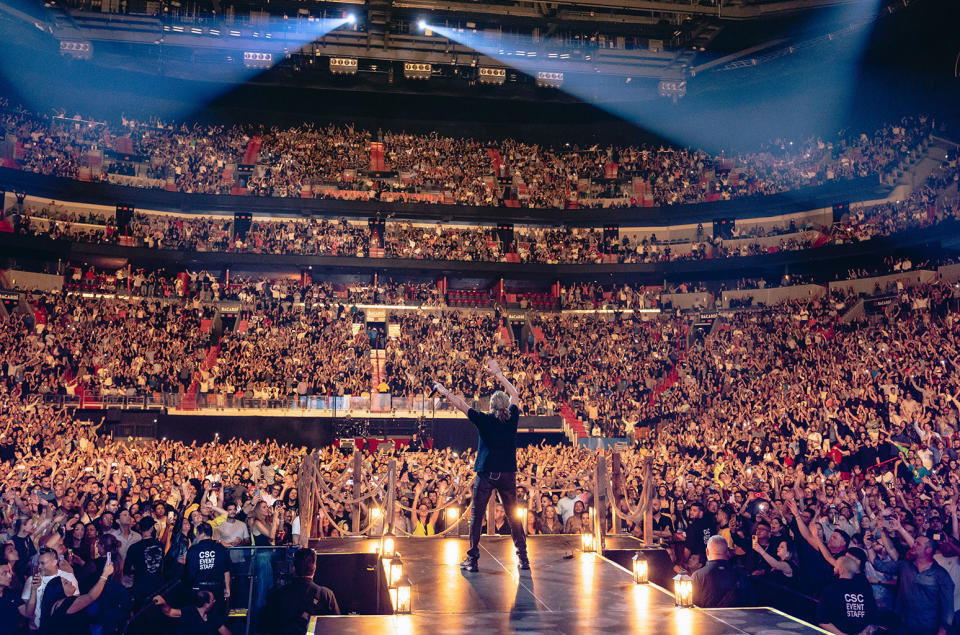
(634,514)
(450,503)
(362,532)
(323,510)
(352,501)
(445,531)
(551,490)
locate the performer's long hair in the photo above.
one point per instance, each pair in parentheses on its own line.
(500,405)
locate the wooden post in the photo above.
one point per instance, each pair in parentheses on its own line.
(600,503)
(309,502)
(617,477)
(646,500)
(391,491)
(357,487)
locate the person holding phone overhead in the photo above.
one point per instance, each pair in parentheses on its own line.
(48,568)
(60,611)
(496,463)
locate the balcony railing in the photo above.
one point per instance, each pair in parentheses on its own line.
(378,403)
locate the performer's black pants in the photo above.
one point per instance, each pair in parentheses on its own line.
(483,487)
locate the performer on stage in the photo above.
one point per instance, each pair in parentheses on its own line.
(496,464)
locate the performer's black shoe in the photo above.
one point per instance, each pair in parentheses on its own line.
(469,564)
(524,564)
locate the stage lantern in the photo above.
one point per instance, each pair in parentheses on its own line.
(683,590)
(394,571)
(586,542)
(401,597)
(640,569)
(452,514)
(388,545)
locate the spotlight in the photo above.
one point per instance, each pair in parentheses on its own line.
(422,25)
(351,18)
(548,79)
(417,70)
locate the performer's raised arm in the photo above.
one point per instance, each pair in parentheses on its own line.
(455,401)
(494,369)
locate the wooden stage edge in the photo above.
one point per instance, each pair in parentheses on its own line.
(565,592)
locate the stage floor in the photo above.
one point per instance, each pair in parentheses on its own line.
(560,594)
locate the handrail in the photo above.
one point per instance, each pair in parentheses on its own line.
(148,605)
(800,200)
(876,247)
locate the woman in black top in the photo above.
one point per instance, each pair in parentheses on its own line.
(783,566)
(180,541)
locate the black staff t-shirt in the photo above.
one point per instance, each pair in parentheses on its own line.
(207,561)
(848,605)
(497,448)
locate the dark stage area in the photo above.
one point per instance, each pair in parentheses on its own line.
(560,594)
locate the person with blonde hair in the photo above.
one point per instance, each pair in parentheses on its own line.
(496,464)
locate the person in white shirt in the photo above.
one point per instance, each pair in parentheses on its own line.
(233,533)
(565,504)
(125,533)
(47,569)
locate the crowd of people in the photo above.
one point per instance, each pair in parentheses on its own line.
(790,447)
(933,202)
(790,450)
(336,161)
(420,242)
(284,341)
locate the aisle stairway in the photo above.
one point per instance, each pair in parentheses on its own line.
(672,376)
(538,336)
(376,251)
(190,400)
(578,428)
(572,426)
(252,153)
(506,335)
(378,368)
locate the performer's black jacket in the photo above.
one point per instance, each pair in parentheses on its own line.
(497,449)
